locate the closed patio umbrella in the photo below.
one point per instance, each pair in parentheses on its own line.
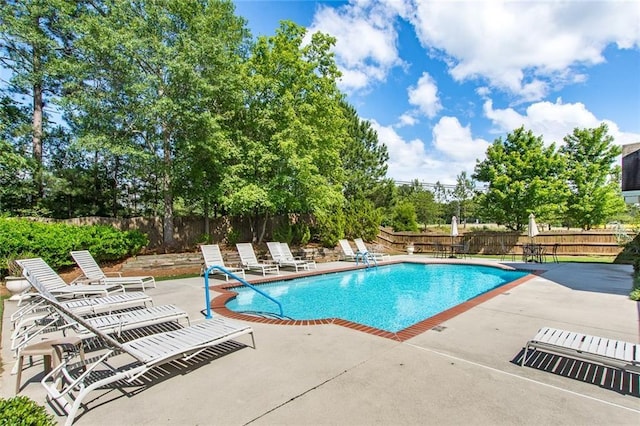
(533,251)
(454,228)
(454,232)
(533,228)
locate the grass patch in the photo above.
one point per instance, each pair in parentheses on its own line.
(563,259)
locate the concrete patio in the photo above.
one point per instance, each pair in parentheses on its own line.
(462,372)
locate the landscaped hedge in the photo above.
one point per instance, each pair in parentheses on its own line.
(20,410)
(23,238)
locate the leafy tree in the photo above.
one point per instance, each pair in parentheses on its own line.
(32,42)
(594,191)
(16,170)
(364,159)
(404,217)
(464,193)
(362,219)
(151,82)
(293,131)
(524,177)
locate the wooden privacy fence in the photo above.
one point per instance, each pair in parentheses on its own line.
(570,243)
(188,231)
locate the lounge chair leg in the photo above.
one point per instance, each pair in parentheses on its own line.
(524,355)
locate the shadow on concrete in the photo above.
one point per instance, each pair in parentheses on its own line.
(623,382)
(594,277)
(127,389)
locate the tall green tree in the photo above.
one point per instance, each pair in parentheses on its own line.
(464,193)
(364,161)
(151,83)
(33,39)
(16,166)
(524,177)
(293,132)
(594,191)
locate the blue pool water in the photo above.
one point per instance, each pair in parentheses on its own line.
(390,297)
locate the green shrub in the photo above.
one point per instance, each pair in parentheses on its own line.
(20,410)
(283,233)
(329,227)
(404,217)
(233,236)
(301,233)
(21,238)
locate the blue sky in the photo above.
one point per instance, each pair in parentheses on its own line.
(441,80)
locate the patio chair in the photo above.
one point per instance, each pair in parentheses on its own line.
(348,253)
(278,256)
(362,248)
(554,253)
(608,352)
(250,261)
(25,331)
(463,249)
(92,273)
(71,382)
(37,309)
(440,250)
(114,323)
(286,251)
(506,251)
(213,257)
(38,268)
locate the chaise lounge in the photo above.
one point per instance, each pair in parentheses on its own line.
(609,352)
(92,273)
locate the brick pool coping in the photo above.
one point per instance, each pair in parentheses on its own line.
(218,304)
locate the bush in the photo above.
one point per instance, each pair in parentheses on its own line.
(21,238)
(404,217)
(283,233)
(21,410)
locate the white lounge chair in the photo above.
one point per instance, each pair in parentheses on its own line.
(25,331)
(37,267)
(362,248)
(92,273)
(348,253)
(250,261)
(71,382)
(213,257)
(286,252)
(609,352)
(278,256)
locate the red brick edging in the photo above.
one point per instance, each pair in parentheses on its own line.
(219,306)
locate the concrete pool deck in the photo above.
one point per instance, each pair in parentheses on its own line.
(463,371)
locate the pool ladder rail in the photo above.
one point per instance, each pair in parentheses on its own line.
(207,294)
(366,259)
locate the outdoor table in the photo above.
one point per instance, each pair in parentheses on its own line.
(532,253)
(454,248)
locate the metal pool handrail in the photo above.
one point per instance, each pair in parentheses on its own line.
(366,257)
(234,276)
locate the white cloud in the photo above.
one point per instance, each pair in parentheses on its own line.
(366,40)
(553,121)
(406,119)
(453,151)
(425,96)
(523,47)
(450,138)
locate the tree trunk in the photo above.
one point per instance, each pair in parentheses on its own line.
(167,224)
(36,140)
(264,228)
(205,211)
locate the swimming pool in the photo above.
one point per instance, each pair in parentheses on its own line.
(389,297)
